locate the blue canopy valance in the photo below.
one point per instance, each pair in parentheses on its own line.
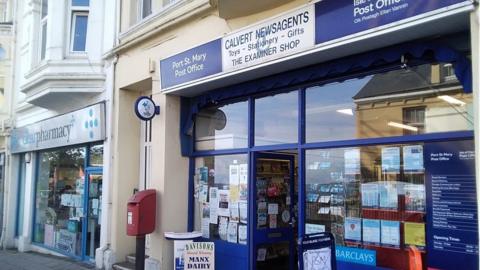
(390,57)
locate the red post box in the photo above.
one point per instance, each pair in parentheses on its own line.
(141,211)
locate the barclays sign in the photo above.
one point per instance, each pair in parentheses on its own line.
(82,126)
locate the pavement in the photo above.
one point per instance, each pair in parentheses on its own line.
(14,260)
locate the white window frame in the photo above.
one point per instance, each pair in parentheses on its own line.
(43,38)
(140,15)
(75,11)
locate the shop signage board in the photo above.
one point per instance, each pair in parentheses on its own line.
(361,15)
(285,35)
(199,255)
(452,224)
(196,63)
(82,126)
(356,255)
(300,30)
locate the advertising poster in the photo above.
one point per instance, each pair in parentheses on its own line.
(232,232)
(243,182)
(390,233)
(203,175)
(353,229)
(371,231)
(178,252)
(66,241)
(452,214)
(199,255)
(223,228)
(414,197)
(205,228)
(413,159)
(388,195)
(243,210)
(49,239)
(203,193)
(234,212)
(213,195)
(352,161)
(242,234)
(391,160)
(314,228)
(414,234)
(369,195)
(317,259)
(272,220)
(223,203)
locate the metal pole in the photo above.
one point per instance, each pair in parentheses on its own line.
(140,253)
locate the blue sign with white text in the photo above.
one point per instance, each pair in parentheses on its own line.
(196,63)
(354,16)
(452,226)
(356,255)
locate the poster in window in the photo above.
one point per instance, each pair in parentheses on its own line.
(223,202)
(49,239)
(203,174)
(234,180)
(388,195)
(213,194)
(223,228)
(352,161)
(203,193)
(353,229)
(390,233)
(243,181)
(414,197)
(369,195)
(66,241)
(234,212)
(314,228)
(205,228)
(413,159)
(243,210)
(242,234)
(371,231)
(232,232)
(391,160)
(414,234)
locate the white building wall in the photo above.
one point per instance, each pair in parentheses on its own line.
(64,81)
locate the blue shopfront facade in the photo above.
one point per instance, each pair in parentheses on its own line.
(375,147)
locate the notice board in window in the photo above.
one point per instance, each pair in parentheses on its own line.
(452,226)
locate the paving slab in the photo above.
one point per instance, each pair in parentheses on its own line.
(14,260)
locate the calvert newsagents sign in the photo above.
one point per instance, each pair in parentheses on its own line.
(300,30)
(82,126)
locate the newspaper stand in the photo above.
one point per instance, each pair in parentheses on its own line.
(317,251)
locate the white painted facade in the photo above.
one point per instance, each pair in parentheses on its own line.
(59,81)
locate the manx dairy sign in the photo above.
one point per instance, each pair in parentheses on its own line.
(82,126)
(199,255)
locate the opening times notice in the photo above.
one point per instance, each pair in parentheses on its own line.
(452,225)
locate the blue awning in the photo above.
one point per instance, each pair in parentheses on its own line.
(416,53)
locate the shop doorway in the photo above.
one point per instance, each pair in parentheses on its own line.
(94,177)
(275,211)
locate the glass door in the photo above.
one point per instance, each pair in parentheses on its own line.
(92,221)
(273,229)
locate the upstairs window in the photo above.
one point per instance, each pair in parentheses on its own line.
(43,29)
(79,25)
(145,8)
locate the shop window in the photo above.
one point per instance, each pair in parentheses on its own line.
(369,197)
(395,103)
(276,119)
(59,204)
(96,155)
(222,127)
(221,197)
